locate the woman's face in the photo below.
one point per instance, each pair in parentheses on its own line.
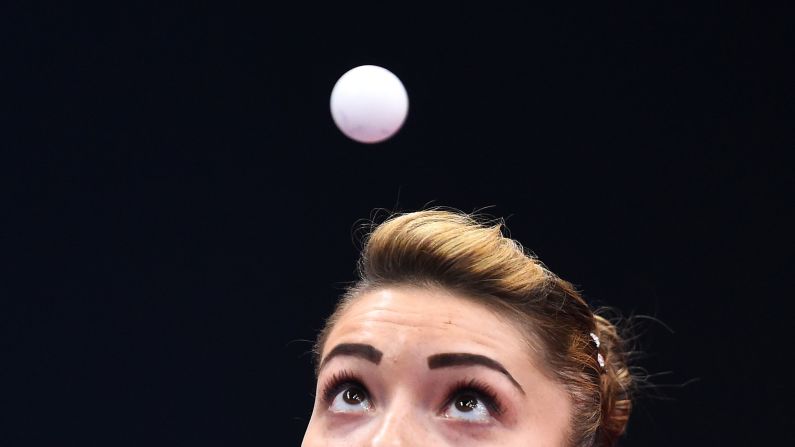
(419,367)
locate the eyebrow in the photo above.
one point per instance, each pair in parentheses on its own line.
(449,360)
(361,350)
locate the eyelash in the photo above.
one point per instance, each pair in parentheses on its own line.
(480,389)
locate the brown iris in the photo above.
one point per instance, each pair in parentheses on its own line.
(353,396)
(466,403)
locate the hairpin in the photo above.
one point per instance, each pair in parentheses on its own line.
(599,356)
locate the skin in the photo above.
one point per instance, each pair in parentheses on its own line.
(401,401)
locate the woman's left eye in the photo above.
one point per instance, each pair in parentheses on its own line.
(351,399)
(468,407)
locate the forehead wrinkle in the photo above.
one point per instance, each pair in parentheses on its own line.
(379,311)
(389,304)
(372,318)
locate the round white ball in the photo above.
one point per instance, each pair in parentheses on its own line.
(369,104)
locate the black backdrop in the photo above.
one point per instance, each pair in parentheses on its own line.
(178,206)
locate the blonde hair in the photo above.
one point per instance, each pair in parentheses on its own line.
(455,251)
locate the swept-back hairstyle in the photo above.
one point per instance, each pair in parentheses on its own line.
(455,251)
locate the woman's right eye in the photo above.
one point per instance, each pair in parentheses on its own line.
(351,399)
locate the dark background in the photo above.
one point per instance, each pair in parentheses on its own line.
(178,207)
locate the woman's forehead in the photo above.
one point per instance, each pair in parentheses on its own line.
(420,319)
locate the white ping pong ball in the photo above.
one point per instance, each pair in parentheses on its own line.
(369,104)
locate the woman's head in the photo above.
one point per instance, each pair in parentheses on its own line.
(454,335)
